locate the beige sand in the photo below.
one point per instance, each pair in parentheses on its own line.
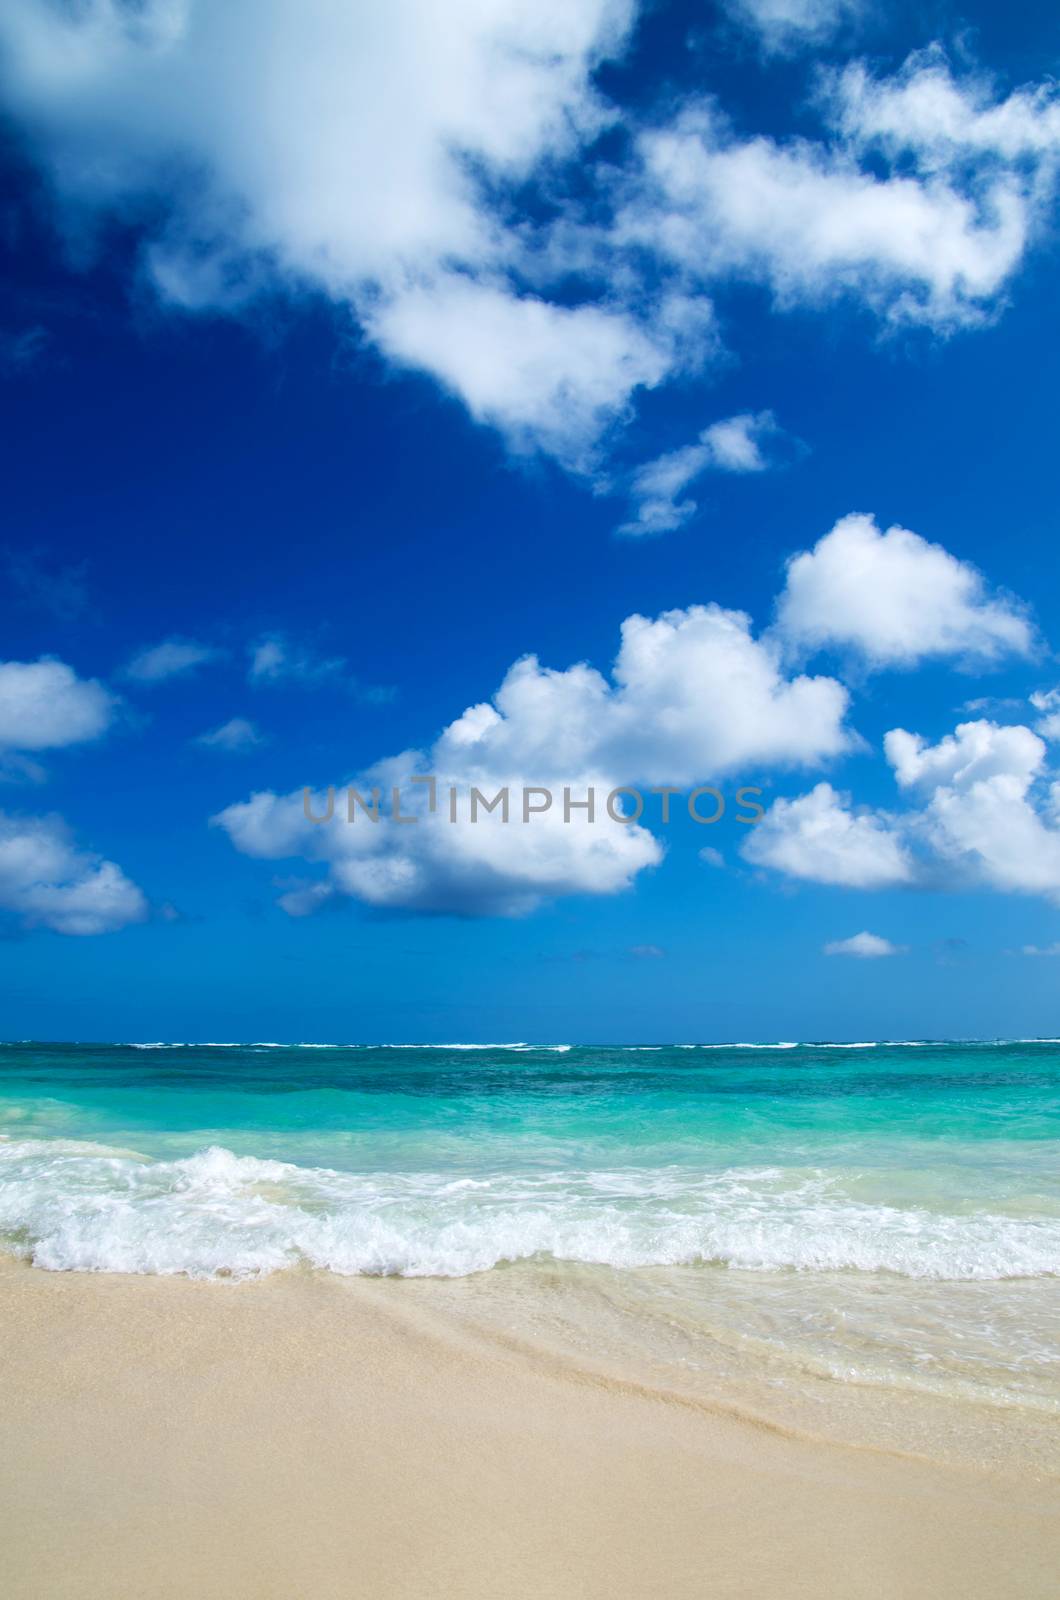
(308,1437)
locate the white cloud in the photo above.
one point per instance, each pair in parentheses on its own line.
(711,857)
(341,141)
(864,946)
(489,868)
(173,658)
(693,696)
(47,882)
(378,157)
(44,705)
(985,813)
(974,752)
(991,809)
(923,110)
(1047,701)
(819,838)
(1041,950)
(352,151)
(783,26)
(735,444)
(656,489)
(549,377)
(896,600)
(812,221)
(236,735)
(732,445)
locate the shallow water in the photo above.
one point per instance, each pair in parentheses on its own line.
(883,1214)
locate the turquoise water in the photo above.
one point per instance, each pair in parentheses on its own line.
(929,1161)
(880,1214)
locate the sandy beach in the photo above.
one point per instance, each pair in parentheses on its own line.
(314,1436)
(529,800)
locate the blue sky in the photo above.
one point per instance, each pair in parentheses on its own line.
(346,362)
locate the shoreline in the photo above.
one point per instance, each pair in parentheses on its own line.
(321,1436)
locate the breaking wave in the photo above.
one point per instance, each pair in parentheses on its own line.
(71,1205)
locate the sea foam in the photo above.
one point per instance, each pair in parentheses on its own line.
(68,1205)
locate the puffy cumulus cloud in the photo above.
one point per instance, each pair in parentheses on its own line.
(44,879)
(47,882)
(974,752)
(820,838)
(173,658)
(44,705)
(736,444)
(921,242)
(991,809)
(864,947)
(485,868)
(693,696)
(984,812)
(783,26)
(896,600)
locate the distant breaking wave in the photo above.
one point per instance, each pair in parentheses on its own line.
(269,1044)
(735,1044)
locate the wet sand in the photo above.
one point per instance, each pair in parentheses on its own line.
(307,1437)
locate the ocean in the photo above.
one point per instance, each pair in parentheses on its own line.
(887,1214)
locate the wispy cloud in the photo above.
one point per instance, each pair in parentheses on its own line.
(864,947)
(784,26)
(235,736)
(173,658)
(276,659)
(736,444)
